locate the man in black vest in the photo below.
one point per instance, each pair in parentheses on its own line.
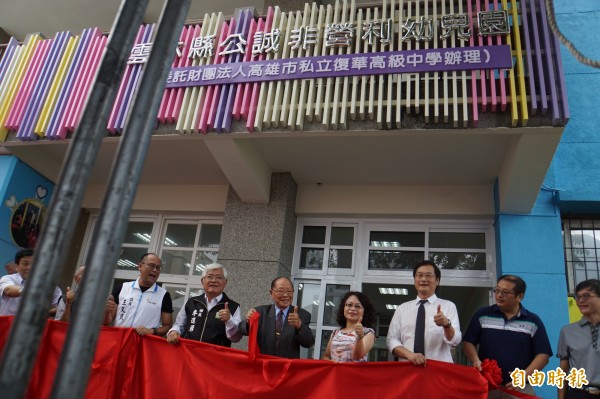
(211,317)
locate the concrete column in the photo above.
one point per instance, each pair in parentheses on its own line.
(257,242)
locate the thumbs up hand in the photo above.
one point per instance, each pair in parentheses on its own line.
(439,318)
(294,319)
(110,306)
(224,314)
(359,330)
(70,296)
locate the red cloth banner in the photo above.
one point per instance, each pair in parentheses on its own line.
(127,365)
(493,373)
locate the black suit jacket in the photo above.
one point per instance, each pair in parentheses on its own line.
(290,339)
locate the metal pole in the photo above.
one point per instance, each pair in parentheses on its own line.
(21,349)
(80,345)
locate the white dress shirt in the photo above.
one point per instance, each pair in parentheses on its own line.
(9,305)
(402,328)
(231,326)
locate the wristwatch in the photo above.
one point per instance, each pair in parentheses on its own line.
(449,324)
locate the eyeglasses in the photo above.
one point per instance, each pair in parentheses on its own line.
(356,306)
(153,266)
(428,276)
(500,292)
(281,292)
(214,278)
(584,297)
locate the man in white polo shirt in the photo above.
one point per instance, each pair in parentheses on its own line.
(12,285)
(142,304)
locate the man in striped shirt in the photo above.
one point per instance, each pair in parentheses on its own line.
(508,333)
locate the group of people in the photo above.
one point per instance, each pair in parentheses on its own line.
(424,328)
(506,332)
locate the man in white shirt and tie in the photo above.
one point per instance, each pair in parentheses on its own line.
(438,330)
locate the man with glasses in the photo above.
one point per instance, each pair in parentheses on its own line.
(510,334)
(426,327)
(578,345)
(211,317)
(142,304)
(282,328)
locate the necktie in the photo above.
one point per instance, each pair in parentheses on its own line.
(420,329)
(594,335)
(278,326)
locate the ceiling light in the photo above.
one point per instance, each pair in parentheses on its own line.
(143,236)
(170,242)
(391,307)
(393,291)
(126,263)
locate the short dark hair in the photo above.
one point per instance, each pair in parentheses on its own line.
(23,253)
(279,278)
(593,285)
(436,269)
(369,310)
(148,254)
(519,283)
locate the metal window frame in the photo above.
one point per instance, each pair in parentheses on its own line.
(585,223)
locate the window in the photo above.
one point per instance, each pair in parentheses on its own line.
(395,250)
(327,248)
(333,256)
(185,244)
(308,299)
(321,300)
(458,251)
(188,247)
(136,243)
(398,250)
(582,250)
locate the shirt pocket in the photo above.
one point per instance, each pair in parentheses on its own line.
(432,328)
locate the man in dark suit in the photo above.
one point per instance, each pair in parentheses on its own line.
(282,328)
